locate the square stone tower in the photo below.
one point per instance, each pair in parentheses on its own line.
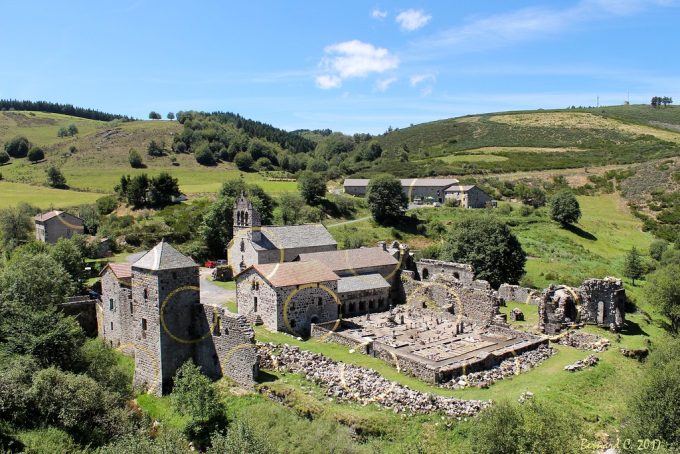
(166,298)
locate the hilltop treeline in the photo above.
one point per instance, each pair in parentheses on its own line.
(65,109)
(252,128)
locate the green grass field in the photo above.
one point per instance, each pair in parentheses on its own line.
(473,158)
(11,194)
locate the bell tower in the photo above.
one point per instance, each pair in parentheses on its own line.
(246,220)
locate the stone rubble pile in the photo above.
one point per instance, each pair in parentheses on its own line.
(584,341)
(581,364)
(349,383)
(507,368)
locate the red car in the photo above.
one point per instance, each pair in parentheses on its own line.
(210,264)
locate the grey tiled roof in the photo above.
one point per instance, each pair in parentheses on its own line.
(364,282)
(352,259)
(164,257)
(294,236)
(406,182)
(465,188)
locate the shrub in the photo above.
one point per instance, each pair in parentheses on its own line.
(4,157)
(36,154)
(564,208)
(204,156)
(55,178)
(154,149)
(106,204)
(312,187)
(243,160)
(386,199)
(135,159)
(17,147)
(657,249)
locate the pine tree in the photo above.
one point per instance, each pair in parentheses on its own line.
(632,267)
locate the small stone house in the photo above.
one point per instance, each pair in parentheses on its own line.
(424,189)
(288,296)
(53,225)
(469,196)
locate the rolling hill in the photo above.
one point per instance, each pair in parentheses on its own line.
(480,144)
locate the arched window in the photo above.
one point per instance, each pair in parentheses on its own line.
(238,218)
(243,245)
(245,221)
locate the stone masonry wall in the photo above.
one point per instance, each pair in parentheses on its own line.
(427,268)
(308,305)
(266,298)
(603,302)
(509,292)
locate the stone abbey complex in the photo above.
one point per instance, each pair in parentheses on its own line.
(431,317)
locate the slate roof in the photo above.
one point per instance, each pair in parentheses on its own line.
(465,188)
(53,214)
(293,273)
(293,236)
(164,257)
(406,182)
(351,259)
(120,270)
(359,283)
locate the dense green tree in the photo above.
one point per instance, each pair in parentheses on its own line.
(162,189)
(564,208)
(530,195)
(312,187)
(170,116)
(654,407)
(633,267)
(137,190)
(291,206)
(36,154)
(243,160)
(55,178)
(154,115)
(217,226)
(487,244)
(35,280)
(663,292)
(135,159)
(103,365)
(66,253)
(194,396)
(386,199)
(16,373)
(17,147)
(239,439)
(16,227)
(106,205)
(4,157)
(657,249)
(204,155)
(529,428)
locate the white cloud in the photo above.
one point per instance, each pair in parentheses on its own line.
(420,78)
(529,23)
(326,81)
(384,84)
(378,14)
(354,58)
(412,19)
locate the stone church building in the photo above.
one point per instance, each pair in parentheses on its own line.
(152,310)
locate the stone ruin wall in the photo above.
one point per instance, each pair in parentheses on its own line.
(427,268)
(509,292)
(598,302)
(229,349)
(328,331)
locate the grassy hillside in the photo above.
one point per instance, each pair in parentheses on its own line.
(535,140)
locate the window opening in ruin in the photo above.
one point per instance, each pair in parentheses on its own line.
(318,301)
(426,273)
(143,324)
(456,275)
(257,286)
(110,304)
(243,245)
(131,308)
(314,319)
(292,323)
(255,304)
(217,325)
(111,326)
(146,293)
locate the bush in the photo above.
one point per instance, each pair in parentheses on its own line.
(564,208)
(204,156)
(154,149)
(55,178)
(312,187)
(4,157)
(106,204)
(657,249)
(533,427)
(36,154)
(135,159)
(243,160)
(386,199)
(17,147)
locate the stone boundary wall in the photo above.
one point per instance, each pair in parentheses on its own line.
(509,292)
(406,362)
(84,310)
(325,330)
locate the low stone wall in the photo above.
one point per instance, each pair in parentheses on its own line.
(405,362)
(428,268)
(84,310)
(509,292)
(329,332)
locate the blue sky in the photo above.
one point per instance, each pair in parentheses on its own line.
(350,66)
